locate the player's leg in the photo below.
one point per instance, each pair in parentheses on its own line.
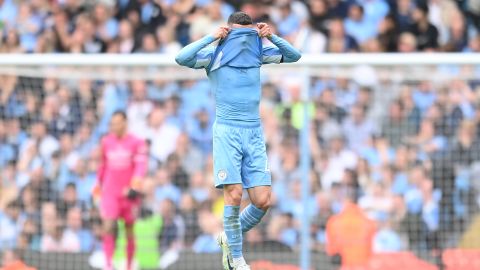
(108,241)
(256,179)
(232,195)
(110,209)
(130,244)
(129,214)
(227,159)
(254,212)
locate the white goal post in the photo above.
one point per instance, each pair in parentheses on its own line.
(344,59)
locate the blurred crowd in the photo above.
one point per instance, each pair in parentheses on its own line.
(408,150)
(164,26)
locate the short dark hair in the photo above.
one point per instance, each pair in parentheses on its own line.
(423,8)
(71,185)
(120,113)
(240,17)
(13,204)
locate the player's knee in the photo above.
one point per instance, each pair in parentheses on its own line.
(129,230)
(108,228)
(264,202)
(233,194)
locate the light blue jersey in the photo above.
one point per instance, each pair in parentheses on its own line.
(233,68)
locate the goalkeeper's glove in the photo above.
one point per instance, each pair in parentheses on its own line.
(132,194)
(133,191)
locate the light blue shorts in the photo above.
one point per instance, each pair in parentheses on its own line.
(239,155)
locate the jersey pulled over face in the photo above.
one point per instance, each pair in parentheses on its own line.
(233,67)
(234,72)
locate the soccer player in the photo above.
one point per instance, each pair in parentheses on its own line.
(123,164)
(239,152)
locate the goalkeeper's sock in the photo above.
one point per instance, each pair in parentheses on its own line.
(109,248)
(250,217)
(130,251)
(233,230)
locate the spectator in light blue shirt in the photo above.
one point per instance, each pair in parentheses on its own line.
(414,201)
(431,208)
(210,226)
(289,237)
(400,184)
(8,13)
(115,97)
(346,92)
(7,154)
(288,234)
(28,25)
(176,116)
(375,10)
(202,3)
(358,129)
(107,26)
(75,229)
(288,22)
(165,189)
(198,188)
(161,90)
(205,243)
(226,10)
(411,190)
(15,135)
(424,96)
(11,223)
(427,141)
(14,106)
(85,183)
(387,240)
(200,131)
(378,151)
(358,26)
(86,140)
(292,204)
(194,95)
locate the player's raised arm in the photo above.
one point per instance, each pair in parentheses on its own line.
(284,53)
(190,55)
(140,161)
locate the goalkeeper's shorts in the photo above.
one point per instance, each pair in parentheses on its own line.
(115,208)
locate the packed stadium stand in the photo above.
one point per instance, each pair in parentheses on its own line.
(410,151)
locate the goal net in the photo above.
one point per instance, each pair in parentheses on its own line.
(385,175)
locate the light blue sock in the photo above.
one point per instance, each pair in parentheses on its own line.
(250,217)
(233,229)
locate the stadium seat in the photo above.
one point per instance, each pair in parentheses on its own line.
(267,265)
(399,261)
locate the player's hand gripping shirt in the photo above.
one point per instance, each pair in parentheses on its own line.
(233,68)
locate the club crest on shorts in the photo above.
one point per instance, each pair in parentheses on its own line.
(222,175)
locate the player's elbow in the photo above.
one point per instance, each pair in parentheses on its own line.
(184,60)
(296,55)
(180,59)
(292,57)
